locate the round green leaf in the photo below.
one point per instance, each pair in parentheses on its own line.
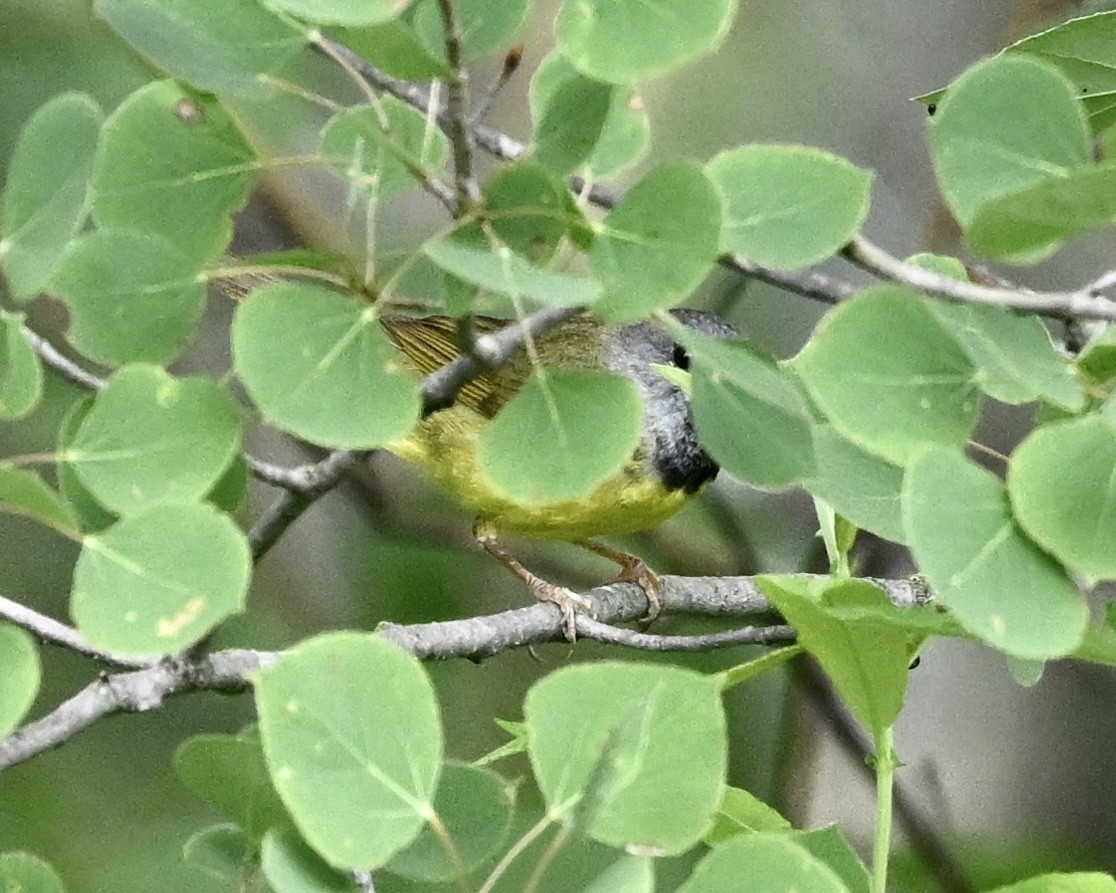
(21,373)
(749,414)
(19,683)
(23,492)
(20,872)
(788,206)
(500,270)
(221,852)
(762,863)
(626,41)
(153,438)
(395,48)
(1078,882)
(628,874)
(658,243)
(290,866)
(341,12)
(318,364)
(995,581)
(173,163)
(530,210)
(743,813)
(606,741)
(214,45)
(353,740)
(561,435)
(158,581)
(987,144)
(1062,483)
(475,810)
(133,297)
(889,377)
(570,123)
(485,26)
(376,148)
(44,201)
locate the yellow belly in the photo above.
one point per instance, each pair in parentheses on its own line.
(445,445)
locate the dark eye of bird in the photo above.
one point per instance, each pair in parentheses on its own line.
(680,358)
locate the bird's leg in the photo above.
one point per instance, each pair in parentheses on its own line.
(569,602)
(632,570)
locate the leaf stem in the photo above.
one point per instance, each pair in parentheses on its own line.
(885,777)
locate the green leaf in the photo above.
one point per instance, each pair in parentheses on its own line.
(861,487)
(987,144)
(788,206)
(1032,223)
(341,12)
(561,435)
(830,847)
(995,581)
(1098,359)
(21,374)
(133,297)
(529,210)
(19,683)
(606,741)
(485,26)
(570,123)
(628,874)
(153,438)
(749,414)
(173,163)
(658,243)
(377,147)
(23,492)
(888,376)
(353,740)
(1062,483)
(742,813)
(1079,882)
(474,807)
(214,45)
(756,667)
(309,357)
(160,580)
(626,41)
(92,515)
(290,866)
(20,872)
(762,863)
(500,270)
(221,852)
(228,773)
(867,659)
(395,48)
(44,200)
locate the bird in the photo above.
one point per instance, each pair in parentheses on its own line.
(666,469)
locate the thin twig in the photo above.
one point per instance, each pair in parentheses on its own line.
(457,101)
(62,364)
(748,635)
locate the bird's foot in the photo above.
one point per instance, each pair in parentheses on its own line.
(633,570)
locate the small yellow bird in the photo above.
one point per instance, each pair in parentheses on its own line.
(667,468)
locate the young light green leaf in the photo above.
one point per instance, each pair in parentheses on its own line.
(21,373)
(23,492)
(1079,882)
(214,45)
(986,144)
(153,438)
(862,487)
(380,149)
(44,200)
(743,813)
(341,12)
(628,874)
(995,581)
(762,863)
(561,435)
(474,809)
(889,377)
(352,738)
(606,741)
(23,872)
(788,206)
(627,41)
(500,270)
(290,866)
(160,580)
(318,364)
(133,297)
(19,683)
(658,244)
(485,26)
(866,659)
(749,414)
(173,163)
(1062,483)
(571,122)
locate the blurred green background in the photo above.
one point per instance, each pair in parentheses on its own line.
(1017,778)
